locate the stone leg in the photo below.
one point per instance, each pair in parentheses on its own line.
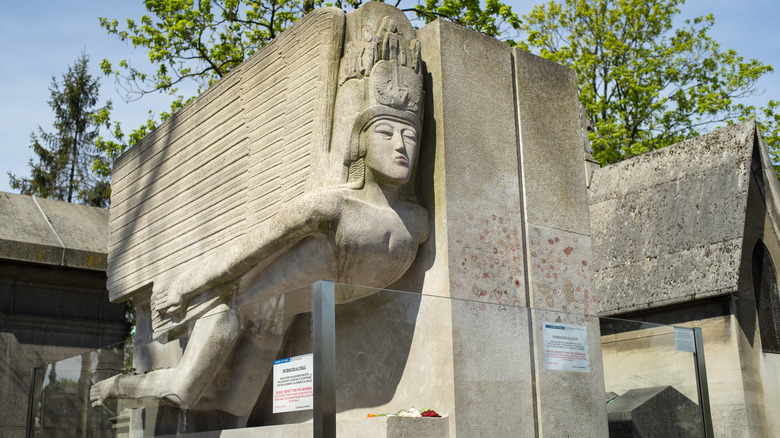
(240,380)
(213,338)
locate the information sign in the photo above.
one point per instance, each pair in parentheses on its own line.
(566,347)
(294,384)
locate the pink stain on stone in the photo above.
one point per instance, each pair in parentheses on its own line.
(492,257)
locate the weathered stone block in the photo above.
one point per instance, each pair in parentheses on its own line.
(472,125)
(668,225)
(550,140)
(492,223)
(52,232)
(654,412)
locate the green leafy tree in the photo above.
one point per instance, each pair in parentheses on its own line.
(65,156)
(198,42)
(495,19)
(202,41)
(645,82)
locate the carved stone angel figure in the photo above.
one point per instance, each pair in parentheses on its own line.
(365,231)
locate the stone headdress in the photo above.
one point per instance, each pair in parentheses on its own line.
(380,77)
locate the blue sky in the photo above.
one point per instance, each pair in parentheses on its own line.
(40,38)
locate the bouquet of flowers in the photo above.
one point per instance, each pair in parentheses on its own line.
(413,412)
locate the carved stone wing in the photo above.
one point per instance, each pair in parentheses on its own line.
(226,162)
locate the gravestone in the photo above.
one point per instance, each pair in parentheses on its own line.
(654,412)
(356,149)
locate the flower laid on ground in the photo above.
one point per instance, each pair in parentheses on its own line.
(408,413)
(413,412)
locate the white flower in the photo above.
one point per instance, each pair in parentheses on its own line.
(413,412)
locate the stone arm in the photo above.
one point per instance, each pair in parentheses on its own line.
(314,213)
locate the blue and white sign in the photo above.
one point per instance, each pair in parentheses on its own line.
(294,384)
(566,347)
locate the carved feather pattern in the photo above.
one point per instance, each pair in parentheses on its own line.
(226,162)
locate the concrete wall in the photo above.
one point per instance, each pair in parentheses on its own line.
(676,233)
(507,191)
(48,314)
(52,232)
(668,225)
(53,299)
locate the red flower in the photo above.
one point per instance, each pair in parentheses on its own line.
(429,413)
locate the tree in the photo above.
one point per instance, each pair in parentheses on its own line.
(496,19)
(198,42)
(644,82)
(65,156)
(202,41)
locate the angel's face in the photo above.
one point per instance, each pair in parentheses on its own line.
(391,148)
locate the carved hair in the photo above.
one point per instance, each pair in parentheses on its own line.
(387,63)
(394,92)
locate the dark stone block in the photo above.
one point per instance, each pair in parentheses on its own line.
(660,411)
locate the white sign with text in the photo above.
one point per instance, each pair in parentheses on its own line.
(294,384)
(566,347)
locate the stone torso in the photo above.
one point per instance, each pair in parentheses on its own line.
(374,245)
(363,244)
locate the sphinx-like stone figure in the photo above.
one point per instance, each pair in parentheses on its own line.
(364,230)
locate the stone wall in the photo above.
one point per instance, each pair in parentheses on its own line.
(676,233)
(53,299)
(668,225)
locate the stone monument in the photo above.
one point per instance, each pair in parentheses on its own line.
(302,164)
(649,412)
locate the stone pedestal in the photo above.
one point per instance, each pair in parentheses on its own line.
(379,427)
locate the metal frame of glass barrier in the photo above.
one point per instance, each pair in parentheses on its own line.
(30,405)
(323,332)
(701,378)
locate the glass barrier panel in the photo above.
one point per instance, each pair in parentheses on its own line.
(650,379)
(61,405)
(401,354)
(489,369)
(209,373)
(570,385)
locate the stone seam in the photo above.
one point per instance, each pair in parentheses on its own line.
(46,218)
(527,251)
